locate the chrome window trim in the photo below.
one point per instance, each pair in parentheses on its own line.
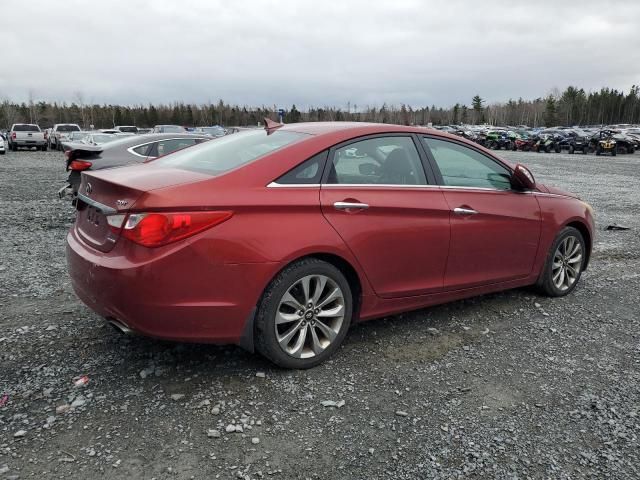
(345,185)
(374,185)
(293,185)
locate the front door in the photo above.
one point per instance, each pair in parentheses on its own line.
(377,198)
(495,230)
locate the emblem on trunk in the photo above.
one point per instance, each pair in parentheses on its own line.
(122,203)
(88,189)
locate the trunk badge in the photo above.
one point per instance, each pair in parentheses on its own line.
(122,203)
(88,189)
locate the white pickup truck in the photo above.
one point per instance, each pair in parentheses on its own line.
(26,135)
(60,133)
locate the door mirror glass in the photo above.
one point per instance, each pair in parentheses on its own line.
(523,177)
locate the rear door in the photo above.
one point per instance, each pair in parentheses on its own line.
(378,197)
(495,230)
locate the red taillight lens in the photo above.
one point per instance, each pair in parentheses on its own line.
(13,135)
(79,165)
(157,229)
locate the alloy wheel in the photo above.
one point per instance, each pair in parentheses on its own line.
(567,262)
(309,316)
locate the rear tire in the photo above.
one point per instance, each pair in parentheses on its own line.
(613,152)
(44,148)
(563,266)
(571,149)
(300,339)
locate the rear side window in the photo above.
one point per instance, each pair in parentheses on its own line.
(229,152)
(26,128)
(165,147)
(461,166)
(143,150)
(308,172)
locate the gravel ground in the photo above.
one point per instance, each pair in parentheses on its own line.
(511,385)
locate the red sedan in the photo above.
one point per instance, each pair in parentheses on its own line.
(277,240)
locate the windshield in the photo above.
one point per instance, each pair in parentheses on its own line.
(229,152)
(26,128)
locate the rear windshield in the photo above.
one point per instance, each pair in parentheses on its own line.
(129,129)
(26,128)
(229,152)
(171,129)
(68,128)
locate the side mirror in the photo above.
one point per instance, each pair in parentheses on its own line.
(523,177)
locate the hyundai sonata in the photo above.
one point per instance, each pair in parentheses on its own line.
(279,239)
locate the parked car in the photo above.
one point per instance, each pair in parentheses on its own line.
(118,152)
(3,144)
(215,131)
(60,133)
(279,240)
(26,135)
(126,129)
(169,129)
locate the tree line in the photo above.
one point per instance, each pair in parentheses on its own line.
(574,106)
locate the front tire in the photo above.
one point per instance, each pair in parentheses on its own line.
(564,263)
(304,314)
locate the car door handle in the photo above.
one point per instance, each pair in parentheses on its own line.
(464,211)
(350,205)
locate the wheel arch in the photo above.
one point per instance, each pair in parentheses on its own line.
(586,235)
(247,341)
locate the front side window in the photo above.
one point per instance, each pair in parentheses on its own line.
(461,166)
(383,160)
(229,152)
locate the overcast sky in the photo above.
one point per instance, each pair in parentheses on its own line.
(317,53)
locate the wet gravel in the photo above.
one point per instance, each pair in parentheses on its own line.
(511,385)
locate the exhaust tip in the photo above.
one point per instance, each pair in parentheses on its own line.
(120,326)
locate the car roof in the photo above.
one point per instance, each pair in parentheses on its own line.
(320,128)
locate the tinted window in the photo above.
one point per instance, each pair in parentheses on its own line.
(169,129)
(68,128)
(165,147)
(143,149)
(383,160)
(228,152)
(308,172)
(26,128)
(461,166)
(129,129)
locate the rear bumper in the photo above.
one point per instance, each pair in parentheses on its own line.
(175,293)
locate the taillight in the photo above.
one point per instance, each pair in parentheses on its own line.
(13,135)
(79,165)
(157,229)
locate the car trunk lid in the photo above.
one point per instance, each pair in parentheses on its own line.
(114,192)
